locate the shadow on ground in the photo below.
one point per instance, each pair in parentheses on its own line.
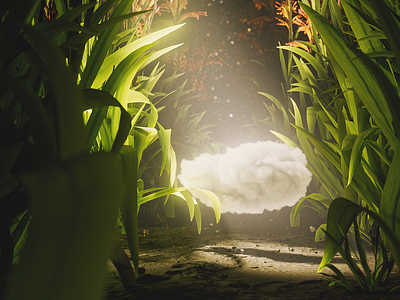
(242,257)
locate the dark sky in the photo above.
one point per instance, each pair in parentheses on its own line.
(226,49)
(233,87)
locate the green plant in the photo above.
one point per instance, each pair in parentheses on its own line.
(308,90)
(345,123)
(380,96)
(52,72)
(360,137)
(69,190)
(343,213)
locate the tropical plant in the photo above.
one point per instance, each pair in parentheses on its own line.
(368,278)
(52,72)
(69,189)
(353,68)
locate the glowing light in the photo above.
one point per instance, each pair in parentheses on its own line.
(232,42)
(228,100)
(248,29)
(250,178)
(230,115)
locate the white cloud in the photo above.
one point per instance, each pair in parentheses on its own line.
(250,178)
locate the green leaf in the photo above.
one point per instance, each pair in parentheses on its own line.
(317,65)
(343,280)
(102,46)
(285,139)
(331,155)
(341,214)
(129,206)
(115,58)
(72,13)
(314,196)
(390,202)
(96,98)
(295,217)
(354,64)
(165,142)
(83,189)
(320,233)
(68,97)
(356,152)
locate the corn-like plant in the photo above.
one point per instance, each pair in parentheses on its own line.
(69,189)
(54,70)
(352,95)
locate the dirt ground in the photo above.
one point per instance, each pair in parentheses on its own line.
(271,261)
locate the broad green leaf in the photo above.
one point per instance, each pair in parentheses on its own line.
(315,196)
(197,215)
(96,98)
(359,27)
(390,202)
(167,191)
(68,97)
(320,235)
(135,97)
(125,69)
(102,11)
(86,239)
(285,139)
(102,46)
(72,13)
(343,280)
(129,207)
(115,58)
(295,219)
(356,152)
(185,195)
(307,56)
(353,63)
(341,214)
(164,135)
(332,156)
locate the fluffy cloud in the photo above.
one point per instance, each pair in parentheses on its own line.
(250,178)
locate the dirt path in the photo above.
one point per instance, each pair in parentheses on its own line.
(270,261)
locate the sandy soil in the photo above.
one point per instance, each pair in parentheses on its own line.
(272,261)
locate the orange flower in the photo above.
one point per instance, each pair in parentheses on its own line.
(304,23)
(298,45)
(282,10)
